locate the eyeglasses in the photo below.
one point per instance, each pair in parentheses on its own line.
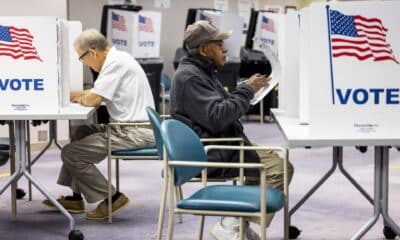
(83,55)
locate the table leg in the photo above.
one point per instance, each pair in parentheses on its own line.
(377,195)
(52,138)
(385,193)
(12,170)
(20,133)
(336,154)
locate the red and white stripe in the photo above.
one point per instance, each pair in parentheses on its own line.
(370,43)
(21,45)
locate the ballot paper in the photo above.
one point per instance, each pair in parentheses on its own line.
(276,73)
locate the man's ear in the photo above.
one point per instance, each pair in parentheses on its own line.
(202,51)
(95,53)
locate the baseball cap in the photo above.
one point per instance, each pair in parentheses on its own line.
(202,32)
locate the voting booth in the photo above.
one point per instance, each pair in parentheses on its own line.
(229,75)
(289,56)
(138,32)
(40,62)
(348,68)
(263,30)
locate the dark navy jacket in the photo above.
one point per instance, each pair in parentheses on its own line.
(199,100)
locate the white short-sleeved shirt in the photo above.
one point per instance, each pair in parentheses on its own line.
(124,86)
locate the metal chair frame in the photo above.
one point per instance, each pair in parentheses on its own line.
(261,214)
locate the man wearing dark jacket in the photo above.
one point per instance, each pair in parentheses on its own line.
(200,101)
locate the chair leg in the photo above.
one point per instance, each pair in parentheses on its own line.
(162,207)
(171,218)
(263,227)
(109,191)
(170,225)
(201,228)
(163,105)
(241,228)
(178,191)
(117,174)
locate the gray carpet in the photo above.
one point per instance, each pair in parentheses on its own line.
(336,211)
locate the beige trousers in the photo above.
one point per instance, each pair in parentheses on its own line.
(89,147)
(274,165)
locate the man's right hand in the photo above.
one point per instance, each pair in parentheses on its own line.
(257,81)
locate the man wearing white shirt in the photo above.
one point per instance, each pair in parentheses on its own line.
(123,86)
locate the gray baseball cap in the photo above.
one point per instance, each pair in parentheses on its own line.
(202,32)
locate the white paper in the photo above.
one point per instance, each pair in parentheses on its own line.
(276,73)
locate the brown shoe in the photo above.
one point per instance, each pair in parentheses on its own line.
(72,206)
(101,211)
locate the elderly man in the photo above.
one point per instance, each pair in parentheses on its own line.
(200,101)
(123,86)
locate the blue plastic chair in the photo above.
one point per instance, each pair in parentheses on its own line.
(126,154)
(187,158)
(155,120)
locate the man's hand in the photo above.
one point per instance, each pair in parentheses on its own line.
(75,96)
(85,98)
(257,81)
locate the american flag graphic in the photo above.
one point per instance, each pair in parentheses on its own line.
(359,37)
(17,43)
(145,24)
(118,22)
(267,24)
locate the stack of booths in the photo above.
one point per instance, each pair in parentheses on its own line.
(151,66)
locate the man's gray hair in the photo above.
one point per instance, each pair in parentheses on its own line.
(90,38)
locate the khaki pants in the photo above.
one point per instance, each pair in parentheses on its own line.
(274,165)
(89,147)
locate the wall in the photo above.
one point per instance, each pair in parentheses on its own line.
(36,8)
(173,20)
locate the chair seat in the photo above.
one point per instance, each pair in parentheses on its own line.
(136,152)
(233,198)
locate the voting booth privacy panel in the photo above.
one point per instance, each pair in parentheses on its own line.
(135,32)
(267,31)
(38,61)
(349,68)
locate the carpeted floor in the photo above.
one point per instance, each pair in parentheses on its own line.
(336,211)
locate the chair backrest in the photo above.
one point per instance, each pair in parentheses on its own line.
(155,121)
(182,144)
(166,81)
